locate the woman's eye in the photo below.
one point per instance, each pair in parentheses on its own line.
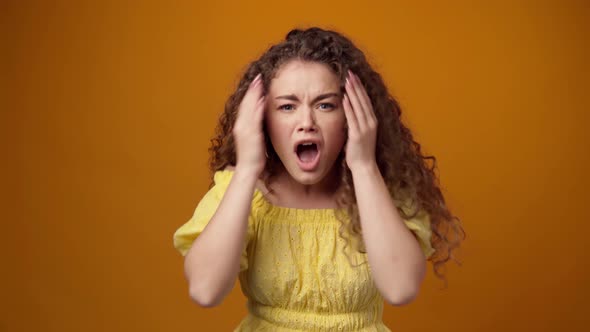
(287,107)
(331,106)
(323,106)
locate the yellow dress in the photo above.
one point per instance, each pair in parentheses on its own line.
(293,270)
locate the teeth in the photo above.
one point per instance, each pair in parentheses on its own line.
(307,144)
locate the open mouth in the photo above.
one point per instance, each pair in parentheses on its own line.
(307,152)
(308,155)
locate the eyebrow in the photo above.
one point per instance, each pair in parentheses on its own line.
(318,98)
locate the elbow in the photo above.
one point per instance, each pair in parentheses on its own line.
(398,301)
(407,291)
(405,296)
(204,298)
(199,291)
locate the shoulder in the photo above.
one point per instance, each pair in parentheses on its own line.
(228,171)
(229,168)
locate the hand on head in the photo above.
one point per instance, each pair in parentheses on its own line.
(247,131)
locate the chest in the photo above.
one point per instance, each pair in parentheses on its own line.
(302,265)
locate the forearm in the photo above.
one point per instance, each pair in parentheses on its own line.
(213,262)
(397,262)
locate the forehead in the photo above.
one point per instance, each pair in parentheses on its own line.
(304,77)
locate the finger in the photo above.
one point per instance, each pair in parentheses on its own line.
(260,109)
(252,96)
(350,116)
(255,82)
(256,79)
(257,88)
(356,106)
(364,98)
(262,106)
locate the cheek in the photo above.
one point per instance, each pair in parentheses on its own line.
(339,123)
(277,132)
(335,131)
(272,126)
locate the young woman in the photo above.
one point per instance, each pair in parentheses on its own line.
(322,205)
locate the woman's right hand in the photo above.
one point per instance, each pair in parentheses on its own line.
(247,131)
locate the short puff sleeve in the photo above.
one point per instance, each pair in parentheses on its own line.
(187,233)
(420,226)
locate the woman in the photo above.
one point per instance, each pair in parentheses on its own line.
(322,203)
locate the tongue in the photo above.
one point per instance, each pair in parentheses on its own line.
(308,154)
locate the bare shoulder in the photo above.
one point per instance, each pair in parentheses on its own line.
(259,183)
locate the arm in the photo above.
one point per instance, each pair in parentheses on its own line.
(397,262)
(213,262)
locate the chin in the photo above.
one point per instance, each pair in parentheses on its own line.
(307,177)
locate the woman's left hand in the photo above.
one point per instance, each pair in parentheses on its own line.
(362,125)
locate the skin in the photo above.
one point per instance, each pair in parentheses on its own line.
(294,112)
(398,266)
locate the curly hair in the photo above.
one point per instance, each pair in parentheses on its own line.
(409,177)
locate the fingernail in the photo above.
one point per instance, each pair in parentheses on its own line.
(255,79)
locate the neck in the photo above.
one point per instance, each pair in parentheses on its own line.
(327,186)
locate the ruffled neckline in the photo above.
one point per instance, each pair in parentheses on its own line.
(278,213)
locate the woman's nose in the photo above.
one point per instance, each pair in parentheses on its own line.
(307,121)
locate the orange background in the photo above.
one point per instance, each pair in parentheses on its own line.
(108,108)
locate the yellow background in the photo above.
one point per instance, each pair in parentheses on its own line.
(108,108)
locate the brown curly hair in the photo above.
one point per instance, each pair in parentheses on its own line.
(410,179)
